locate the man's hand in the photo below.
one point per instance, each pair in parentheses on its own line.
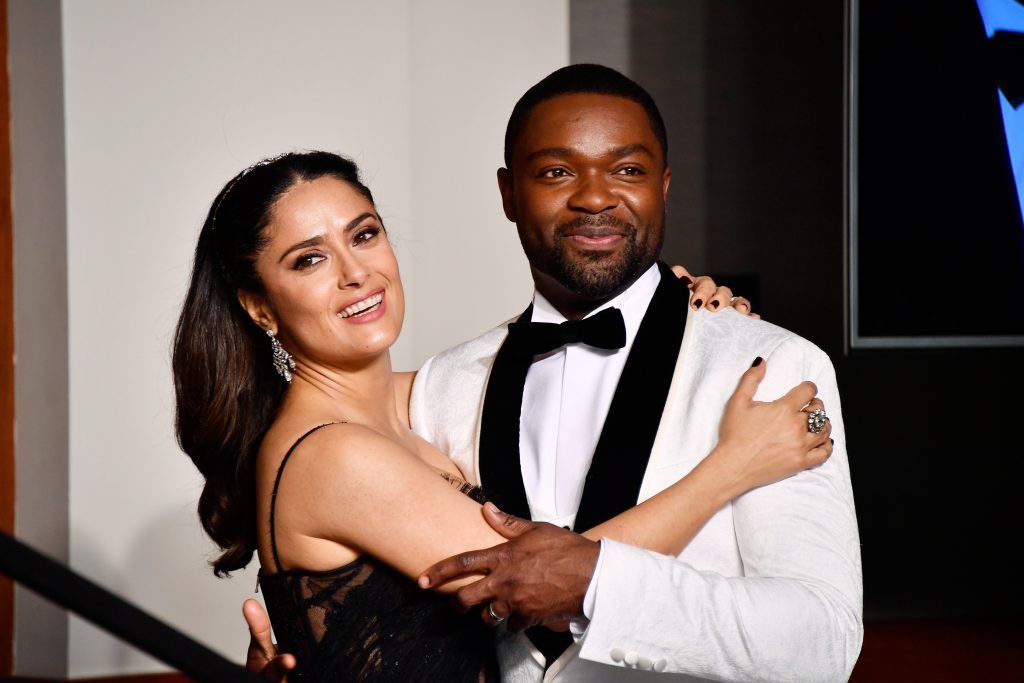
(262,658)
(539,576)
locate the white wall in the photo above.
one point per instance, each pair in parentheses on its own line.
(165,100)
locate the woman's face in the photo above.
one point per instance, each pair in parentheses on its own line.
(332,288)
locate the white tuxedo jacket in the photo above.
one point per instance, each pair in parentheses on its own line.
(769,590)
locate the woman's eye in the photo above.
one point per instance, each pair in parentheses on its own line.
(367,235)
(308,260)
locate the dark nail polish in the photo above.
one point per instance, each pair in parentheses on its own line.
(713,304)
(697,303)
(757,361)
(685,280)
(833,441)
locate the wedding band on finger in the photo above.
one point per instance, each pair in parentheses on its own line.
(816,420)
(493,615)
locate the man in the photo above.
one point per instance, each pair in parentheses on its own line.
(771,588)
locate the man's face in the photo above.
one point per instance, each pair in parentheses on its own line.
(587,192)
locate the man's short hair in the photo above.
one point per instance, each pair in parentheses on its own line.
(582,78)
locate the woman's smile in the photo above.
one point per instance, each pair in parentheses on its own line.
(365,310)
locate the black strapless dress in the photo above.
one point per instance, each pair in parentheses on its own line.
(366,622)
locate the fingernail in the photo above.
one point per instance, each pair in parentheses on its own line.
(424,582)
(713,304)
(833,441)
(757,361)
(686,280)
(491,507)
(697,303)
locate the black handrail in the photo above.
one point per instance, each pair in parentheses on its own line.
(73,591)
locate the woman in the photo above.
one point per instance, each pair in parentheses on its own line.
(293,271)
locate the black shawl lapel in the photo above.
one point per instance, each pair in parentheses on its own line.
(620,459)
(500,472)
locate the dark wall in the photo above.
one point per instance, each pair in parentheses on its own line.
(753,97)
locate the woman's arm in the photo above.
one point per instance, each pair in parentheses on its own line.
(369,493)
(759,443)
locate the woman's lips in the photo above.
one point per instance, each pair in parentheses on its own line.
(365,310)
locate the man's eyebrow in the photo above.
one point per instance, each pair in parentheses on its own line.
(560,152)
(632,149)
(318,239)
(563,152)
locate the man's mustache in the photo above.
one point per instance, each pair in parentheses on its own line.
(600,221)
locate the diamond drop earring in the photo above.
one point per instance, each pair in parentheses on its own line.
(283,361)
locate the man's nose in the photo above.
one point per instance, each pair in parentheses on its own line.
(593,195)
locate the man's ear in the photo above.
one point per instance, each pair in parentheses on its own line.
(666,179)
(258,309)
(507,193)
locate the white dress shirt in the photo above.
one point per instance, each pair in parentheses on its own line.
(565,401)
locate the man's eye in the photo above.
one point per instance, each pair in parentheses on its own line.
(554,173)
(367,235)
(308,260)
(631,171)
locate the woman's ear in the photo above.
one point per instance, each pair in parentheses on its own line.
(258,309)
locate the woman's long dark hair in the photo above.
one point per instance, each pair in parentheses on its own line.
(226,390)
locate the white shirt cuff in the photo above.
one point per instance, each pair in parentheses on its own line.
(578,625)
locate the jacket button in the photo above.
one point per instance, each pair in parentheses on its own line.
(660,665)
(645,663)
(631,658)
(617,654)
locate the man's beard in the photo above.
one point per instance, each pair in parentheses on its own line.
(597,274)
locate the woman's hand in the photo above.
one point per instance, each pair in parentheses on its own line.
(761,443)
(706,294)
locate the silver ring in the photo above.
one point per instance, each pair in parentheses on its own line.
(816,420)
(495,617)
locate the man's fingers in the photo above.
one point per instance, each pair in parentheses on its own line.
(505,524)
(471,562)
(278,668)
(262,658)
(492,608)
(476,593)
(518,622)
(750,380)
(259,628)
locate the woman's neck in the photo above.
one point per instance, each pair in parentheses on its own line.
(361,392)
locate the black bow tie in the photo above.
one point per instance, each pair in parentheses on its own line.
(603,330)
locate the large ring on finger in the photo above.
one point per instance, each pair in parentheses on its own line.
(494,616)
(816,420)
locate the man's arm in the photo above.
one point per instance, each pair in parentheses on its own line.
(795,614)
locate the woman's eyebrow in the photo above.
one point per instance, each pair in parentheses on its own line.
(359,219)
(311,242)
(318,239)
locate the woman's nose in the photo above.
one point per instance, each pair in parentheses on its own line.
(352,272)
(593,195)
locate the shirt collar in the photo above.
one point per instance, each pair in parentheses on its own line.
(633,303)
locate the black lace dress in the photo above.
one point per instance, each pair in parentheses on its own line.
(366,622)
